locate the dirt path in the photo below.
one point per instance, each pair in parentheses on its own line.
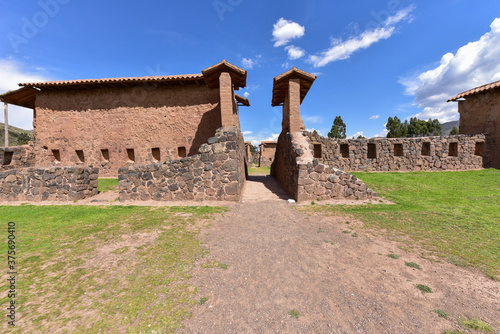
(281,260)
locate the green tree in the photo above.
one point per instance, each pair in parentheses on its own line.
(338,129)
(23,139)
(396,128)
(454,131)
(434,128)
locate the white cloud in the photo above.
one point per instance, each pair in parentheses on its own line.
(286,30)
(375,117)
(472,65)
(344,49)
(357,134)
(248,63)
(247,132)
(294,52)
(11,73)
(246,94)
(263,136)
(312,119)
(382,134)
(313,129)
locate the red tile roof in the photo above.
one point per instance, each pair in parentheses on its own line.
(477,90)
(182,77)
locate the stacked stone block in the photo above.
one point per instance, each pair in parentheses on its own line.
(53,183)
(216,173)
(16,157)
(306,178)
(413,157)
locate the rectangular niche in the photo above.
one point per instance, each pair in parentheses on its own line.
(453,150)
(156,154)
(426,148)
(80,155)
(478,150)
(181,152)
(317,151)
(398,150)
(131,154)
(7,158)
(57,155)
(105,154)
(344,150)
(372,151)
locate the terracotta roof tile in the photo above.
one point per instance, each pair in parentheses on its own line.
(477,90)
(115,80)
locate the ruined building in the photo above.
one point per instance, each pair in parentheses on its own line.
(479,110)
(267,153)
(111,123)
(167,137)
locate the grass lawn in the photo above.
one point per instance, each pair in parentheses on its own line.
(104,185)
(259,170)
(453,215)
(108,269)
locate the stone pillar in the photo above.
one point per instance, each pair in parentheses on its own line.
(291,108)
(226,99)
(6,121)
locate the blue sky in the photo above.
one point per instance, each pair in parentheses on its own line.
(373,59)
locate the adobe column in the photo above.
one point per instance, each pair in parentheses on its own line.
(294,120)
(226,99)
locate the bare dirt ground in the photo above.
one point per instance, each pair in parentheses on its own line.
(281,260)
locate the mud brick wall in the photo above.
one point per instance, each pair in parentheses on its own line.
(54,183)
(216,173)
(16,157)
(305,178)
(459,152)
(110,128)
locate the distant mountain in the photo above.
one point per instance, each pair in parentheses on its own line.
(14,134)
(448,126)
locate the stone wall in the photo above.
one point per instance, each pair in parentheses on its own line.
(267,152)
(216,173)
(54,183)
(479,113)
(110,128)
(16,157)
(400,154)
(306,178)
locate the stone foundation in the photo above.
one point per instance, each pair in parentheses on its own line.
(217,173)
(16,157)
(461,152)
(306,178)
(54,183)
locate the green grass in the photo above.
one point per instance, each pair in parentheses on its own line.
(476,324)
(413,265)
(107,269)
(294,313)
(104,185)
(393,256)
(259,170)
(442,314)
(424,288)
(452,215)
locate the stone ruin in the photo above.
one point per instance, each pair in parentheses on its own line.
(179,138)
(267,153)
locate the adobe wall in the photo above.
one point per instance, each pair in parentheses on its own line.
(173,120)
(46,184)
(423,153)
(306,178)
(216,173)
(266,156)
(480,113)
(17,157)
